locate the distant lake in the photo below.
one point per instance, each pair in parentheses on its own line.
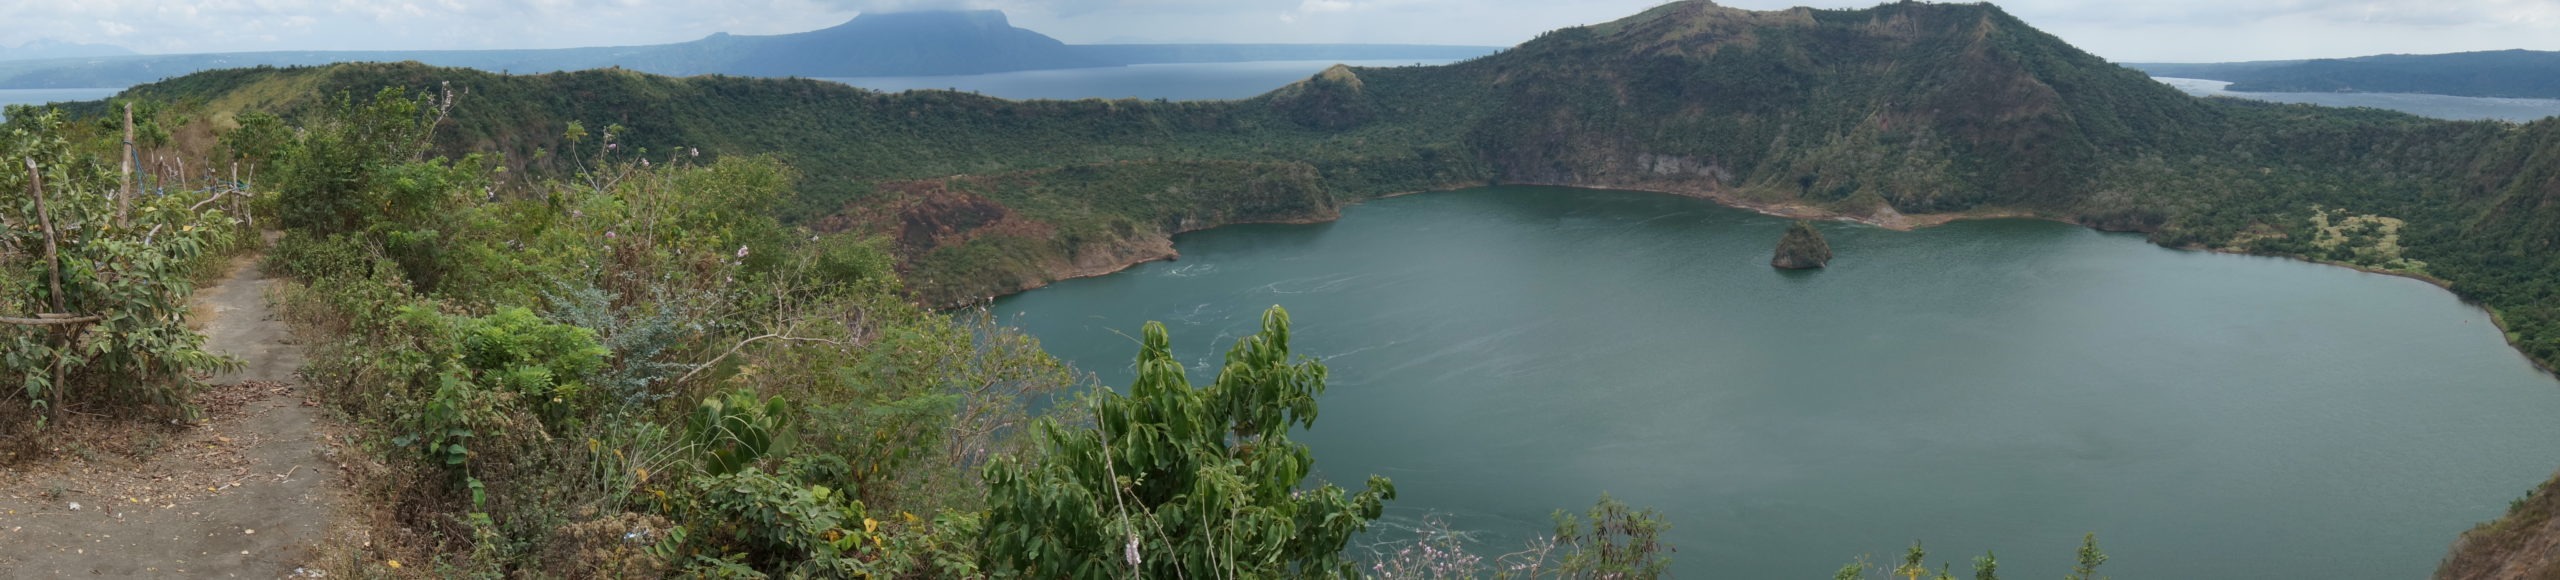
(1178,82)
(2438,106)
(2009,384)
(42,96)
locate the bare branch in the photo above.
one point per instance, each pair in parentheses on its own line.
(50,320)
(706,365)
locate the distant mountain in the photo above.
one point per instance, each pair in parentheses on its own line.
(874,44)
(898,44)
(50,48)
(2503,73)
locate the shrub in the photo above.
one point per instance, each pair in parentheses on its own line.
(1173,480)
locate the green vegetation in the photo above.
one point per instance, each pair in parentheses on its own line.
(94,282)
(1200,481)
(1801,247)
(1898,110)
(689,341)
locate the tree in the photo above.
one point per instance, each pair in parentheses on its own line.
(1621,542)
(1986,567)
(94,294)
(1914,563)
(1177,481)
(2090,558)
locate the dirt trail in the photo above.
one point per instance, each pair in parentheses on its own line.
(245,494)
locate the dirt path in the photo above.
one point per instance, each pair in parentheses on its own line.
(245,494)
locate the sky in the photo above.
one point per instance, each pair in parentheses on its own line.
(2121,30)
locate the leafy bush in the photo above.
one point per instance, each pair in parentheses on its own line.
(734,432)
(1173,480)
(97,292)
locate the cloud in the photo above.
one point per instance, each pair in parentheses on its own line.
(1326,6)
(2121,29)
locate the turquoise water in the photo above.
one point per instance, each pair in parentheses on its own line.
(1502,353)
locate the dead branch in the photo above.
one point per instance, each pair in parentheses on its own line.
(733,349)
(50,320)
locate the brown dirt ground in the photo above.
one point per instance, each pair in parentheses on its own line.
(246,493)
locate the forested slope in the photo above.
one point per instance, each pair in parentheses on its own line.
(1900,114)
(1883,114)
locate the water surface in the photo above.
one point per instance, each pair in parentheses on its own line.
(2424,105)
(1501,353)
(42,96)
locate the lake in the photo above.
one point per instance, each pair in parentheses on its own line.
(42,96)
(2438,106)
(1176,82)
(1505,352)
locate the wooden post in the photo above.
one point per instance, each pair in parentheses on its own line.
(124,189)
(35,184)
(52,256)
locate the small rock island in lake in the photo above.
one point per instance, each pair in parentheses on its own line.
(1802,248)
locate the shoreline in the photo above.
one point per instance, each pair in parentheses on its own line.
(1895,221)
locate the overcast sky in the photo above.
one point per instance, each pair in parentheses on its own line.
(2123,30)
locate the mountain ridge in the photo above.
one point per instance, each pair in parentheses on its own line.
(920,43)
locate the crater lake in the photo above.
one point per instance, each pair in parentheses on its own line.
(1502,353)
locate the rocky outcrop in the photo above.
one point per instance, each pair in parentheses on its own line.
(2524,545)
(1802,248)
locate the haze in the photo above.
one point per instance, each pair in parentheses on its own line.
(2148,30)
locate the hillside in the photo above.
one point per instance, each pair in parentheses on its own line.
(926,43)
(1903,115)
(2503,73)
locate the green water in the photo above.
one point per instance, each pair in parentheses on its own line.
(1501,353)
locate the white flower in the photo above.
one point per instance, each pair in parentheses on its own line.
(742,252)
(1132,551)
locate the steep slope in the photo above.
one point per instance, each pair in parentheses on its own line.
(1905,107)
(2500,73)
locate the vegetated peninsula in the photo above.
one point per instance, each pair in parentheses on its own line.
(1904,114)
(2499,73)
(923,43)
